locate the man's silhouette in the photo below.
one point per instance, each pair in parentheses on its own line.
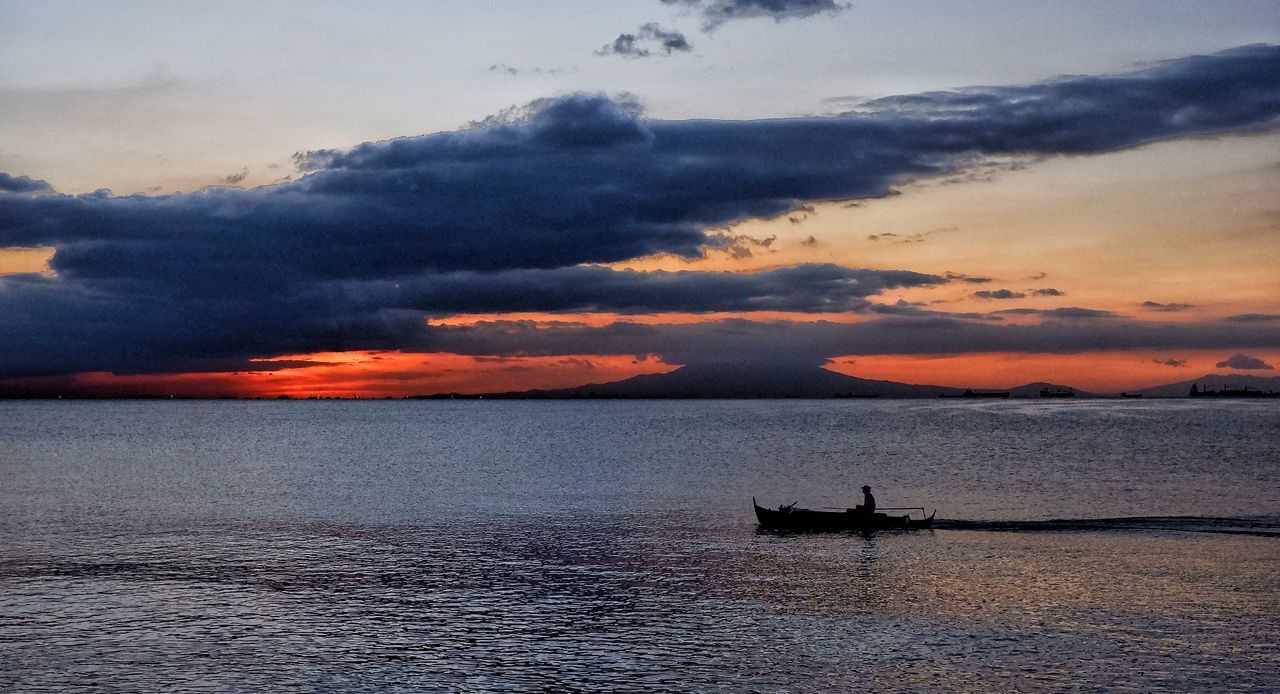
(868,504)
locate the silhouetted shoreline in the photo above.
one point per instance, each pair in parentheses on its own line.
(723,383)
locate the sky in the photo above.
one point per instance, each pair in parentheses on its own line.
(410,198)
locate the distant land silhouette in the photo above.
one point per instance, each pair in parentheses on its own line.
(1032,390)
(748,381)
(1215,381)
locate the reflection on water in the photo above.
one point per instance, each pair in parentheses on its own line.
(369,557)
(657,601)
(1258,526)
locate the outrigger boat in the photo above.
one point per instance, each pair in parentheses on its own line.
(792,518)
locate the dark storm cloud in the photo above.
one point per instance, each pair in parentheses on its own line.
(803,288)
(814,342)
(48,325)
(1175,363)
(1061,116)
(1165,308)
(23,184)
(51,325)
(649,39)
(1244,362)
(586,179)
(213,277)
(998,294)
(717,12)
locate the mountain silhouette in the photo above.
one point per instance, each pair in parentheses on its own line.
(742,381)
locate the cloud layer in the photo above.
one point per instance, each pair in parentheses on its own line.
(809,343)
(810,288)
(500,216)
(717,12)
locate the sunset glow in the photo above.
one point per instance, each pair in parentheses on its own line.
(582,216)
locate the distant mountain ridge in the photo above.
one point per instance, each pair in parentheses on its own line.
(720,381)
(766,382)
(736,381)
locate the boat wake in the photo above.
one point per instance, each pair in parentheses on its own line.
(1261,526)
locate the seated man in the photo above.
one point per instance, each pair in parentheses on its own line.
(868,504)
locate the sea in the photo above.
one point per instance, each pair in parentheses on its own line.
(1101,545)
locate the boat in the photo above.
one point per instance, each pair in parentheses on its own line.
(971,393)
(792,518)
(1229,392)
(1131,395)
(1046,393)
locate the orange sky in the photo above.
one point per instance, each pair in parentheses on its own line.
(1100,372)
(361,374)
(398,374)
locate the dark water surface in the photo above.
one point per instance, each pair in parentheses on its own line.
(500,545)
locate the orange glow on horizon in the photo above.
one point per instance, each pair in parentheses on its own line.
(355,374)
(1100,372)
(400,374)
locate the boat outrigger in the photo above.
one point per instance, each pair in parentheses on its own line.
(792,518)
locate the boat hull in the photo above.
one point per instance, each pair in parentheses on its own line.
(806,519)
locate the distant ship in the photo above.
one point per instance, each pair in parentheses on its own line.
(1229,392)
(1046,393)
(969,393)
(1131,395)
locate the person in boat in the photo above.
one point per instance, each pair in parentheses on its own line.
(868,504)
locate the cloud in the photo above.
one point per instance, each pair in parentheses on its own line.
(717,12)
(512,71)
(971,279)
(235,179)
(649,39)
(815,288)
(1244,362)
(148,325)
(738,246)
(813,342)
(23,184)
(1048,291)
(1254,317)
(911,238)
(1165,308)
(207,280)
(1067,313)
(1063,112)
(1175,363)
(998,294)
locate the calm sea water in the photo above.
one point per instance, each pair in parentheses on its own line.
(502,545)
